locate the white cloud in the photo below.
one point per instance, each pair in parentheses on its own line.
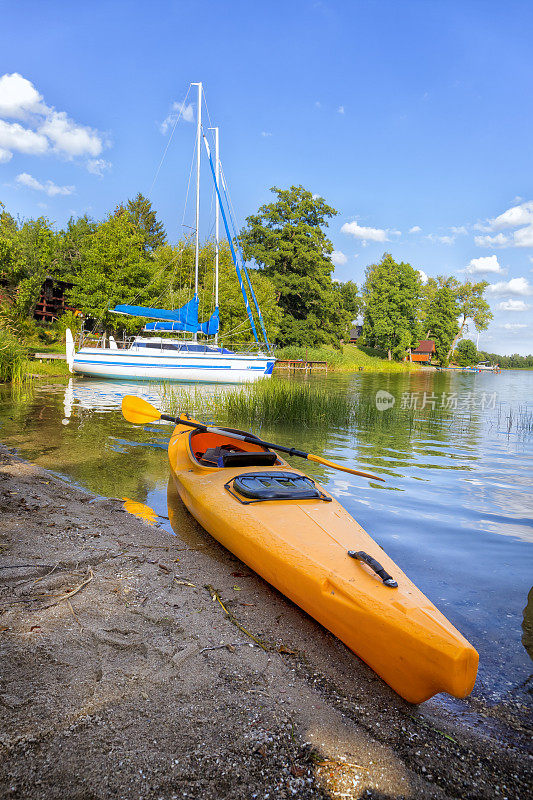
(318,104)
(46,130)
(340,110)
(97,166)
(338,258)
(19,97)
(423,277)
(459,230)
(514,217)
(183,110)
(513,305)
(523,237)
(484,264)
(415,229)
(516,286)
(50,188)
(5,156)
(445,239)
(513,326)
(266,134)
(519,216)
(14,136)
(69,138)
(500,240)
(363,233)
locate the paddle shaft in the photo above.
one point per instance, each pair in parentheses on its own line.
(291,451)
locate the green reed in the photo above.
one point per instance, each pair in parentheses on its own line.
(297,404)
(280,402)
(14,363)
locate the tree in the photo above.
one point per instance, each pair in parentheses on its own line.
(466,353)
(36,255)
(115,269)
(287,241)
(441,321)
(145,218)
(391,294)
(73,244)
(471,305)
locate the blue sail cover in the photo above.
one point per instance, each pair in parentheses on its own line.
(181,319)
(211,326)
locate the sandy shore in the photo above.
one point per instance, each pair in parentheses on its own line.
(122,677)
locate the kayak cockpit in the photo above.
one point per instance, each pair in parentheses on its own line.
(213,450)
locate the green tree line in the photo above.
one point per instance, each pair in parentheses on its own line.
(126,258)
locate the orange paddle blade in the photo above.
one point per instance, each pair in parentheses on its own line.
(138,411)
(333,465)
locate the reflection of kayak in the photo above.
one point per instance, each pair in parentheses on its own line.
(288,529)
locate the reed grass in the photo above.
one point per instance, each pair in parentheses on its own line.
(13,358)
(279,402)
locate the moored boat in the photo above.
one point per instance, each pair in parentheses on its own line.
(154,359)
(287,528)
(187,359)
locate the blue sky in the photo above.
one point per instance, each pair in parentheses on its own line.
(413,119)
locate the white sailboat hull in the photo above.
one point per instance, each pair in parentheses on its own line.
(99,362)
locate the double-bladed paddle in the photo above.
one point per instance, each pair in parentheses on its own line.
(139,411)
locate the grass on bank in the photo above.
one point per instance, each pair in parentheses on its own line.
(348,358)
(48,369)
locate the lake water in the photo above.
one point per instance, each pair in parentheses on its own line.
(456,512)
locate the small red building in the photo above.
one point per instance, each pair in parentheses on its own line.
(424,351)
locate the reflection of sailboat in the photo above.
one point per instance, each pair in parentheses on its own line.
(180,359)
(104,395)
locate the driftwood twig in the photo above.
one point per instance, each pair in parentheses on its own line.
(232,618)
(70,594)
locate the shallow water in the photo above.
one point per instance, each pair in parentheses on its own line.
(456,512)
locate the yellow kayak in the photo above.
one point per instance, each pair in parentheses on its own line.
(287,528)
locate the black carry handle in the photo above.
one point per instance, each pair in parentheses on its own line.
(387,579)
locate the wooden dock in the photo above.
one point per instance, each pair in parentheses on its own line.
(298,364)
(49,357)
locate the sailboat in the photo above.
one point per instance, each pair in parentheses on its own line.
(160,358)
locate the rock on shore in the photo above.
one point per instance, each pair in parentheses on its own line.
(123,676)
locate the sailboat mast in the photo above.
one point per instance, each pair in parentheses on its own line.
(217,232)
(198,142)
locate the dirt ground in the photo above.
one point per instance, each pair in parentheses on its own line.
(123,676)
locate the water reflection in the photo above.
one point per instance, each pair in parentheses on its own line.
(527,625)
(455,513)
(95,395)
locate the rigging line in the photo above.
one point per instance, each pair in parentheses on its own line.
(244,265)
(228,234)
(169,141)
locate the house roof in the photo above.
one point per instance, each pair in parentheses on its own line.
(425,346)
